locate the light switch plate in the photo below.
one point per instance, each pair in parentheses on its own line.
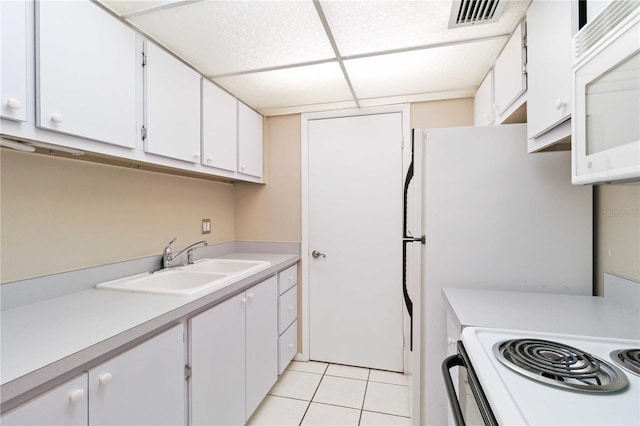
(206,226)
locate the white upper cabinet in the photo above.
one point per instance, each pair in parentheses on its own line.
(249,141)
(13,60)
(143,386)
(86,72)
(550,58)
(483,102)
(509,75)
(172,106)
(65,405)
(219,128)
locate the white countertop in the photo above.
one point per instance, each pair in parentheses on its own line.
(546,312)
(47,339)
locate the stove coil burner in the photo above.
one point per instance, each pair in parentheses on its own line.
(560,365)
(628,359)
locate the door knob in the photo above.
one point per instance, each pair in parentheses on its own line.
(316,254)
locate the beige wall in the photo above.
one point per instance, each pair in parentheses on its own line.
(59,214)
(447,113)
(271,212)
(617,232)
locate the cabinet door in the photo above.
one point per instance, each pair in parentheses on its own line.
(550,56)
(172,107)
(483,102)
(13,60)
(249,141)
(261,341)
(86,73)
(217,351)
(219,127)
(143,386)
(508,73)
(64,405)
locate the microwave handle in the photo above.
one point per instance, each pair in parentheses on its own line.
(450,362)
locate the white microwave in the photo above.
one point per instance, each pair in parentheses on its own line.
(606,85)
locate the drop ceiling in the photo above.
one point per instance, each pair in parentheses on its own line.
(290,56)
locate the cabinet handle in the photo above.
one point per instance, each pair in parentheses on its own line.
(196,156)
(250,295)
(290,345)
(451,342)
(290,308)
(561,103)
(13,103)
(105,378)
(242,168)
(290,278)
(209,160)
(244,300)
(57,117)
(76,396)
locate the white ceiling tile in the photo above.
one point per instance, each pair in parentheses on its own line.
(423,71)
(360,27)
(313,84)
(127,7)
(222,37)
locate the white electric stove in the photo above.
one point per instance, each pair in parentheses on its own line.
(595,389)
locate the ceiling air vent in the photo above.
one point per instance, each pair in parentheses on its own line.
(475,12)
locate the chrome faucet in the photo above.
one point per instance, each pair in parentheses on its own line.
(168,257)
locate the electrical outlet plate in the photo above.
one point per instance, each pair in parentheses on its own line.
(206,226)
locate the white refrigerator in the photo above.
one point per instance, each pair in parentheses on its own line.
(493,217)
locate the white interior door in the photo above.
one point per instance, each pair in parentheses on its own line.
(355,225)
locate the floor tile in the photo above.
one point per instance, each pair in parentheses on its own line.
(389,377)
(275,410)
(321,414)
(386,398)
(308,366)
(348,371)
(376,419)
(296,384)
(341,391)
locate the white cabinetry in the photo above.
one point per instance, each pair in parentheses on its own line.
(172,106)
(13,60)
(249,141)
(233,352)
(86,73)
(219,128)
(142,386)
(550,55)
(287,316)
(64,405)
(510,77)
(262,342)
(483,102)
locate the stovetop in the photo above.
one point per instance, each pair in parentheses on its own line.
(597,389)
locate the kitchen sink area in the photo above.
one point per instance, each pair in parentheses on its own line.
(205,275)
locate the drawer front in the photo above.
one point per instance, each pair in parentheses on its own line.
(287,279)
(288,346)
(287,309)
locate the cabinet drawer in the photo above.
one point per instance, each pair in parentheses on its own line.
(287,309)
(287,346)
(287,279)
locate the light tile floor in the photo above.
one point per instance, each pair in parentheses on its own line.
(316,393)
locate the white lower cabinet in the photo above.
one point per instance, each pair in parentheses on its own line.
(233,356)
(63,405)
(142,386)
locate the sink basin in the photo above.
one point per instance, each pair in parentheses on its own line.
(204,275)
(179,282)
(226,266)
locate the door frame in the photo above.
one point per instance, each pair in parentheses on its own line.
(404,109)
